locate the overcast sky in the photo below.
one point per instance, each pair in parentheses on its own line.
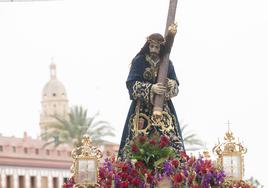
(219,54)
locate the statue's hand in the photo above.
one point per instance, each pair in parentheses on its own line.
(172,90)
(173,28)
(171,84)
(158,88)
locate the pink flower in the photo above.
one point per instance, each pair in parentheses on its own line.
(134,148)
(164,138)
(125,168)
(184,155)
(136,181)
(144,171)
(206,166)
(69,183)
(139,164)
(102,173)
(123,184)
(164,141)
(175,163)
(142,139)
(134,172)
(191,161)
(153,142)
(150,178)
(123,175)
(129,178)
(110,175)
(178,178)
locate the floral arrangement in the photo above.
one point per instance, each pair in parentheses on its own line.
(124,174)
(151,161)
(195,173)
(151,151)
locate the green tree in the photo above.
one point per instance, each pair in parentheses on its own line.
(191,141)
(69,130)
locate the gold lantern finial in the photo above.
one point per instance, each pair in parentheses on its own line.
(231,156)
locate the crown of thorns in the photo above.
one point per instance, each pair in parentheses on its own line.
(156,41)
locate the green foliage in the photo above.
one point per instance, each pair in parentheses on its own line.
(69,130)
(153,151)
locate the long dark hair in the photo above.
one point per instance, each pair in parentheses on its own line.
(156,37)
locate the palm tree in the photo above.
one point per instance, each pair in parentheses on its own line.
(69,130)
(191,141)
(254,182)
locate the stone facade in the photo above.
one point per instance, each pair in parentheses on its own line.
(24,163)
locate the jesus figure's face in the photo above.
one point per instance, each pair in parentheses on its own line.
(154,49)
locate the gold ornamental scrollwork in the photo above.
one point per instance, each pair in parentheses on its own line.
(85,164)
(138,130)
(165,123)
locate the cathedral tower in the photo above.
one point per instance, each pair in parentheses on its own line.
(54,100)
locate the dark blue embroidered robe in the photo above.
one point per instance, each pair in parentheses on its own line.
(142,75)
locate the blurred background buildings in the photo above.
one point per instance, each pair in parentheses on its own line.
(25,162)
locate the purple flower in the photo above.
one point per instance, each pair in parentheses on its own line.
(108,164)
(167,167)
(185,172)
(219,177)
(116,181)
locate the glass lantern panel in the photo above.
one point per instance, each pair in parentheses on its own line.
(232,166)
(87,171)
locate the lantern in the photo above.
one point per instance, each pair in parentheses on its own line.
(231,157)
(85,164)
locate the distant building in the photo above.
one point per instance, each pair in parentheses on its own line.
(54,100)
(25,163)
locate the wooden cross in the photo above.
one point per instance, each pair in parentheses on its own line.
(163,69)
(171,14)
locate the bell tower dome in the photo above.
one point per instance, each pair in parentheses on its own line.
(54,100)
